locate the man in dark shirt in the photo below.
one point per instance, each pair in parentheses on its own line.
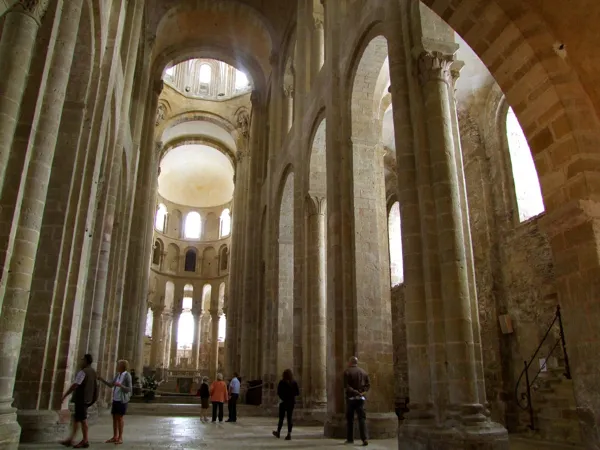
(356,383)
(85,393)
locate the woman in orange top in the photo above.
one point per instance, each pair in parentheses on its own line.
(218,396)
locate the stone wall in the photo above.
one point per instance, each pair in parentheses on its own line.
(513,263)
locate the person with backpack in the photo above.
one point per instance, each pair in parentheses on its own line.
(122,386)
(85,394)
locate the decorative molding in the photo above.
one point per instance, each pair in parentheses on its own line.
(36,9)
(161,114)
(243,122)
(317,204)
(434,66)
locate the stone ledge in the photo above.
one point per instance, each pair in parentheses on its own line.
(487,436)
(379,426)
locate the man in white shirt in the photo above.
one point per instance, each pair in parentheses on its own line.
(234,393)
(85,389)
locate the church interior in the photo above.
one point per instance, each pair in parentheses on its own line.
(206,187)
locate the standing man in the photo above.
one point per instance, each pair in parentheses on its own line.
(356,383)
(234,393)
(85,390)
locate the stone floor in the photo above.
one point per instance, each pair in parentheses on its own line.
(186,433)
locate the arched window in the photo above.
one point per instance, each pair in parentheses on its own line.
(395,239)
(193,225)
(222,329)
(190,260)
(225,223)
(161,218)
(185,331)
(156,253)
(530,202)
(241,80)
(224,258)
(149,323)
(205,73)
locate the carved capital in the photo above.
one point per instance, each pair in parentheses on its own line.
(157,310)
(434,66)
(317,204)
(161,113)
(36,9)
(318,22)
(288,91)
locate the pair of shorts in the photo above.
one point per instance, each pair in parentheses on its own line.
(118,408)
(80,413)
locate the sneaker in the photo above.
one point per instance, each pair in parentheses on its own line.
(288,437)
(276,434)
(365,443)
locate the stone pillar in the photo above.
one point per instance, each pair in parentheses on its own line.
(174,331)
(249,312)
(21,25)
(434,70)
(205,341)
(214,343)
(17,276)
(317,299)
(197,313)
(463,411)
(318,46)
(157,336)
(166,345)
(402,89)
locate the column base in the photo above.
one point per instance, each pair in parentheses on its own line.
(43,425)
(379,426)
(484,436)
(310,416)
(10,431)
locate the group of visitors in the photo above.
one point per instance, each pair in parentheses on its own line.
(84,392)
(219,393)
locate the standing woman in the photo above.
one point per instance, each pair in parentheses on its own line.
(122,387)
(287,390)
(204,393)
(218,396)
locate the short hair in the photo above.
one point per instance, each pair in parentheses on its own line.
(235,374)
(220,377)
(288,375)
(88,359)
(125,364)
(204,379)
(353,361)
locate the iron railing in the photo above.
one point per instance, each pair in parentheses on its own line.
(523,395)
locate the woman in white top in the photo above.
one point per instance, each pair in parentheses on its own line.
(122,387)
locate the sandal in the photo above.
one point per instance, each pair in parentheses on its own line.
(82,444)
(111,440)
(119,442)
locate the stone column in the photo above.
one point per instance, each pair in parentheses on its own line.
(464,403)
(17,42)
(27,222)
(174,330)
(214,343)
(204,340)
(318,46)
(317,299)
(157,336)
(197,313)
(403,89)
(167,335)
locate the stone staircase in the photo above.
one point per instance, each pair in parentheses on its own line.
(554,410)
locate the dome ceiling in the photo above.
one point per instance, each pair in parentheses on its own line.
(196,175)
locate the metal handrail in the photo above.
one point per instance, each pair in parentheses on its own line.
(520,397)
